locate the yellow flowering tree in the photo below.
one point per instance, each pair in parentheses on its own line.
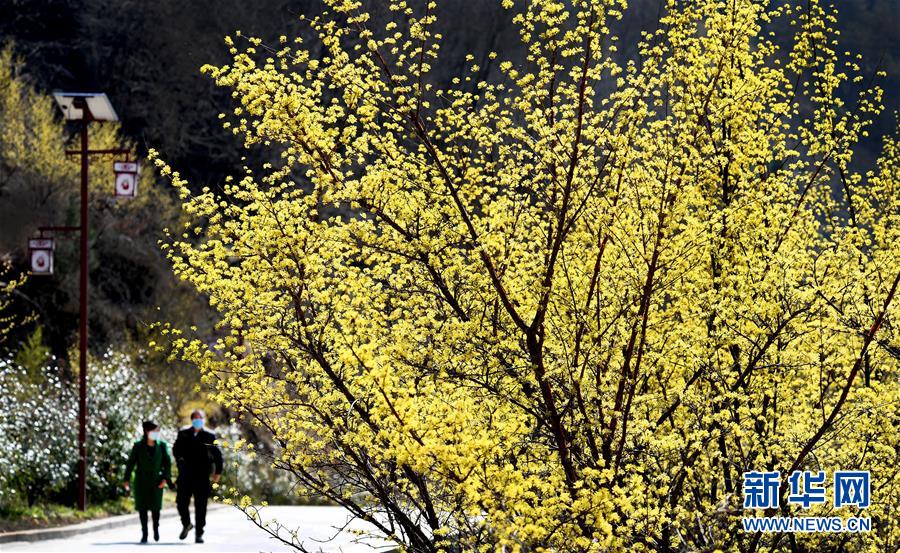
(563,309)
(8,285)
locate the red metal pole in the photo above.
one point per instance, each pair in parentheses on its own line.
(83,323)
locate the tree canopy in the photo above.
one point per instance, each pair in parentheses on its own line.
(566,308)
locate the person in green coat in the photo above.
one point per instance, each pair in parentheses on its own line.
(152,467)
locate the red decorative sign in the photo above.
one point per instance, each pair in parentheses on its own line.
(40,251)
(126,178)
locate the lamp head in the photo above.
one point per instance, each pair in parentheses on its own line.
(87,106)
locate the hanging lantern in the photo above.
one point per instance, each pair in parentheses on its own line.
(40,251)
(126,178)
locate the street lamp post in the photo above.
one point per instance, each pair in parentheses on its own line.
(85,107)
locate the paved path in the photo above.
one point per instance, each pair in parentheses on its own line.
(227,530)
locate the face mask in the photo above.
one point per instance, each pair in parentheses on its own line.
(197,423)
(153,435)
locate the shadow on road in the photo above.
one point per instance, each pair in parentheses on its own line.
(166,543)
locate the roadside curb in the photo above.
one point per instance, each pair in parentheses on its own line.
(62,532)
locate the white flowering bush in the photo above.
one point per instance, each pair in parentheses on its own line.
(36,422)
(248,467)
(39,425)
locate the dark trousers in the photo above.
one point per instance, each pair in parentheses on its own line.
(199,490)
(143,516)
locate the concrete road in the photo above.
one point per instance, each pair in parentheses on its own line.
(228,530)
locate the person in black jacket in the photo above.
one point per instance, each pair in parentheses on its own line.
(198,459)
